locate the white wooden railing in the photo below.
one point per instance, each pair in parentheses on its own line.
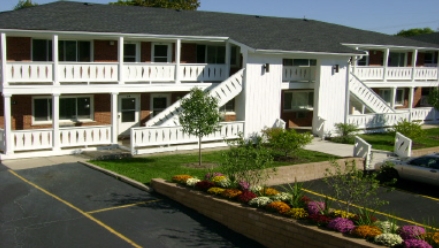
(395,73)
(362,149)
(367,96)
(377,120)
(424,114)
(38,72)
(298,74)
(160,72)
(87,72)
(41,139)
(403,146)
(202,72)
(144,137)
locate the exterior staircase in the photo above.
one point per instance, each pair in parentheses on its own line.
(367,96)
(224,92)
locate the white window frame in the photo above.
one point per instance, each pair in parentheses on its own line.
(168,55)
(49,121)
(399,102)
(157,95)
(137,55)
(298,108)
(383,92)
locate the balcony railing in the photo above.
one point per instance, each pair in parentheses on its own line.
(298,74)
(73,72)
(374,73)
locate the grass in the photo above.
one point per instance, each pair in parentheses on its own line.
(386,141)
(143,169)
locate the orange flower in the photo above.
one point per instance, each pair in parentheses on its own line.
(180,178)
(231,193)
(269,192)
(278,206)
(365,231)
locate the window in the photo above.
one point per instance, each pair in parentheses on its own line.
(399,99)
(386,95)
(396,59)
(41,50)
(299,62)
(229,106)
(129,53)
(161,53)
(212,54)
(297,100)
(363,61)
(70,108)
(430,59)
(234,56)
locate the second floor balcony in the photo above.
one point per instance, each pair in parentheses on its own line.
(381,73)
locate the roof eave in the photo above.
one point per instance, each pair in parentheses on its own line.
(391,46)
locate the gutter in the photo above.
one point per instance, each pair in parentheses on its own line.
(392,46)
(306,52)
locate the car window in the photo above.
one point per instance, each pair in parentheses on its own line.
(423,161)
(435,165)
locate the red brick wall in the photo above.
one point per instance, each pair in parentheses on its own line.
(417,97)
(104,52)
(102,108)
(188,53)
(145,52)
(18,48)
(229,117)
(376,58)
(145,108)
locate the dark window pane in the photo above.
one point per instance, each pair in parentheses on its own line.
(42,109)
(84,107)
(287,62)
(67,108)
(128,103)
(159,102)
(201,54)
(161,50)
(211,54)
(84,51)
(301,62)
(42,50)
(221,55)
(288,97)
(160,59)
(70,51)
(313,62)
(129,49)
(129,116)
(61,50)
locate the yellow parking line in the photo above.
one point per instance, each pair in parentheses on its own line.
(370,210)
(123,206)
(111,230)
(424,196)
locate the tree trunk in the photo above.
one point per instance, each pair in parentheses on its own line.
(199,151)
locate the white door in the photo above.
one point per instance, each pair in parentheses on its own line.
(129,109)
(159,102)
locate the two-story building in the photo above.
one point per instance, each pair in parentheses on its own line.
(78,76)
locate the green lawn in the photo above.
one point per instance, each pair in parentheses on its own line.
(386,141)
(143,169)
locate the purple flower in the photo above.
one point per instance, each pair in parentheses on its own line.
(244,185)
(341,225)
(416,243)
(410,232)
(209,176)
(315,207)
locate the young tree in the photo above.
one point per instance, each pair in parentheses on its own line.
(24,4)
(170,4)
(200,115)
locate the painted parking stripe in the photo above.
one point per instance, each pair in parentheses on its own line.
(111,230)
(371,210)
(123,206)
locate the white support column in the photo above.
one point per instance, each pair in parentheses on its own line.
(114,118)
(177,60)
(393,98)
(228,56)
(414,61)
(385,63)
(411,93)
(9,139)
(55,59)
(4,79)
(354,62)
(347,93)
(120,53)
(55,122)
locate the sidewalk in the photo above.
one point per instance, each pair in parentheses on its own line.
(21,164)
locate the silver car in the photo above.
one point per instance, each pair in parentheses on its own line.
(423,169)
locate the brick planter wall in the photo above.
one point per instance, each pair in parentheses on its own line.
(268,229)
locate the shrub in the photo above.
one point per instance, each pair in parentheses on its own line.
(410,232)
(388,239)
(366,231)
(345,133)
(416,243)
(297,213)
(409,129)
(204,185)
(180,178)
(278,206)
(231,193)
(246,196)
(286,143)
(341,225)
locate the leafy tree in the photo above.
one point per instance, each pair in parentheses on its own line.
(433,98)
(200,115)
(24,4)
(170,4)
(414,32)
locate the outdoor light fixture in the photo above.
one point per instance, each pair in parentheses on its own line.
(336,68)
(266,67)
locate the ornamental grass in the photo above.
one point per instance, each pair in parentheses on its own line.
(204,185)
(411,232)
(366,231)
(246,196)
(231,193)
(181,178)
(215,191)
(297,213)
(278,206)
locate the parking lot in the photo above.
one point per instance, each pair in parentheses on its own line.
(71,205)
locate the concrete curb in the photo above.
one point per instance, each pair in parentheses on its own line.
(124,179)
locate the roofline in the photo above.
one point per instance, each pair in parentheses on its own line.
(391,46)
(110,34)
(303,52)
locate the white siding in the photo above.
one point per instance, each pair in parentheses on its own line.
(330,93)
(261,93)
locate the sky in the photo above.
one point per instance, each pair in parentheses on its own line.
(384,16)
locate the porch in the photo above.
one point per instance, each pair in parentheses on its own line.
(382,73)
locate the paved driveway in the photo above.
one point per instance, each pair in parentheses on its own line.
(71,205)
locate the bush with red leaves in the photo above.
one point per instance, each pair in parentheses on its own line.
(204,185)
(246,196)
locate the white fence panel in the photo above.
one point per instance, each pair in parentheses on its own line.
(26,140)
(377,120)
(88,72)
(403,146)
(369,73)
(23,72)
(426,73)
(85,136)
(399,73)
(298,73)
(362,149)
(202,72)
(134,72)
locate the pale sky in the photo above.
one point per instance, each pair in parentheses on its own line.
(385,16)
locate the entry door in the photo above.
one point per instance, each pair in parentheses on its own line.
(129,108)
(159,103)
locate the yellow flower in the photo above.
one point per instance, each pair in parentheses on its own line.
(180,178)
(269,192)
(215,191)
(297,213)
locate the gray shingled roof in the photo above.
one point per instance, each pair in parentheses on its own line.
(429,38)
(263,33)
